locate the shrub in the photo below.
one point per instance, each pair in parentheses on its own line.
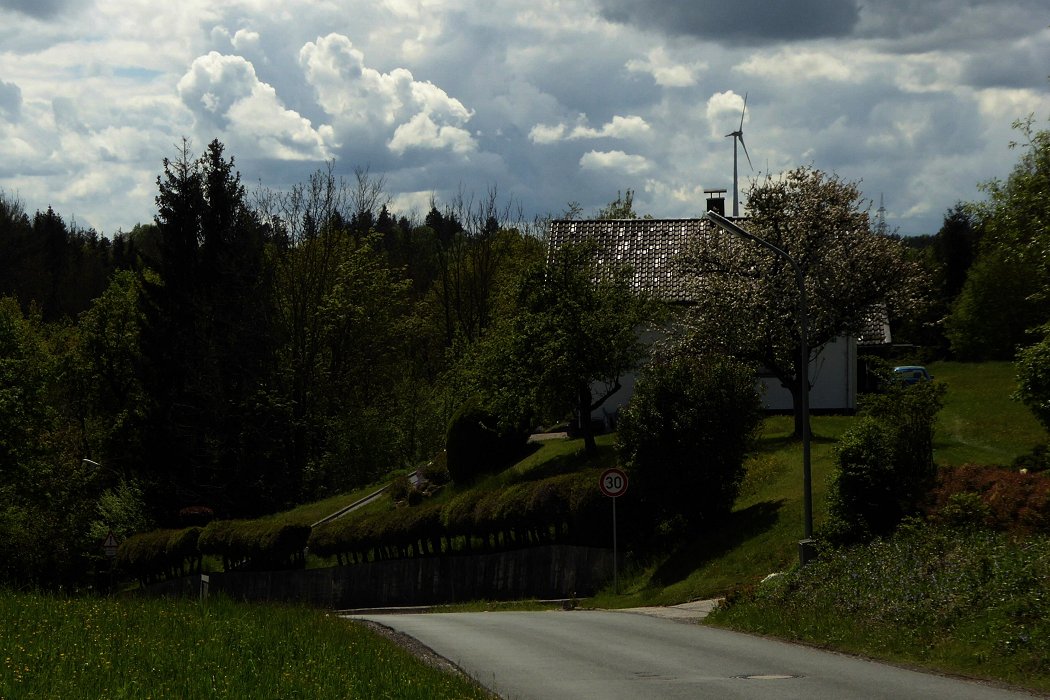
(885,466)
(1033,378)
(160,553)
(477,444)
(254,544)
(399,488)
(436,470)
(965,510)
(1037,460)
(684,436)
(1010,500)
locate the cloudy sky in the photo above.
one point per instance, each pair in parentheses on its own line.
(549,101)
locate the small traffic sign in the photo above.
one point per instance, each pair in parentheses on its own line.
(110,545)
(613,482)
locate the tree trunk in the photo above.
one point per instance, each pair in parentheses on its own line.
(584,413)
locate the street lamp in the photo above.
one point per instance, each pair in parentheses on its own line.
(806,550)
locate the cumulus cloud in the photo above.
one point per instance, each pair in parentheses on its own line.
(724,110)
(619,128)
(665,71)
(742,20)
(422,132)
(416,114)
(617,161)
(245,40)
(10,101)
(805,64)
(224,93)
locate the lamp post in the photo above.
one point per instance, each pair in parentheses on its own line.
(806,550)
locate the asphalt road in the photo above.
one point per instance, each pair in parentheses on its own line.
(611,655)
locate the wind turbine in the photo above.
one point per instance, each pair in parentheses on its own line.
(738,137)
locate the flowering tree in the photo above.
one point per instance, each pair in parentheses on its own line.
(747,299)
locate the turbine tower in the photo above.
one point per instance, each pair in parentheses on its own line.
(738,137)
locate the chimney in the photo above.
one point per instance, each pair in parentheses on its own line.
(716,201)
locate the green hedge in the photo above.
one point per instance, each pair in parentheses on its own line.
(254,544)
(162,553)
(566,508)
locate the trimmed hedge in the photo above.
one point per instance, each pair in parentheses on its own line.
(255,545)
(151,556)
(564,508)
(568,507)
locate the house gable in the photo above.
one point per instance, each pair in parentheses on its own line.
(650,247)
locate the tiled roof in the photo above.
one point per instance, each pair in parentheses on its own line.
(647,246)
(650,246)
(876,330)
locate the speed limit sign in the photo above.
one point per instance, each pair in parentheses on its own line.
(613,482)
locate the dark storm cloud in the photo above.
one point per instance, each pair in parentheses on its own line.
(41,9)
(743,20)
(947,21)
(1012,67)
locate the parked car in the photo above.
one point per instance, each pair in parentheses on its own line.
(911,374)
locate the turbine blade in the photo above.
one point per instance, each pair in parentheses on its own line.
(741,137)
(741,129)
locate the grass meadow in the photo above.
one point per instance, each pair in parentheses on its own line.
(70,648)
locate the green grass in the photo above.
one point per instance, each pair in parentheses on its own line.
(980,423)
(965,601)
(142,648)
(760,537)
(310,513)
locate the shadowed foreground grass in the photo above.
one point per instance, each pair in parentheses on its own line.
(142,648)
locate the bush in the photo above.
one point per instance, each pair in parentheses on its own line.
(684,436)
(1033,378)
(254,544)
(399,488)
(436,470)
(477,444)
(160,553)
(885,466)
(1037,460)
(1009,500)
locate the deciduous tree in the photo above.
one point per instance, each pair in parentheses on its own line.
(747,299)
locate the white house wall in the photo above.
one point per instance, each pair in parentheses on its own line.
(832,374)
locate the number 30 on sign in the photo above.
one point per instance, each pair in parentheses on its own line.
(613,482)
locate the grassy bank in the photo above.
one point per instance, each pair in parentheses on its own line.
(963,601)
(980,423)
(761,535)
(110,648)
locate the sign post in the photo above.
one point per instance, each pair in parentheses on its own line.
(613,483)
(110,547)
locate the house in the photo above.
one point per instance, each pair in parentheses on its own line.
(650,247)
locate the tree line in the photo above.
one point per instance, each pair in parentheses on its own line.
(244,352)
